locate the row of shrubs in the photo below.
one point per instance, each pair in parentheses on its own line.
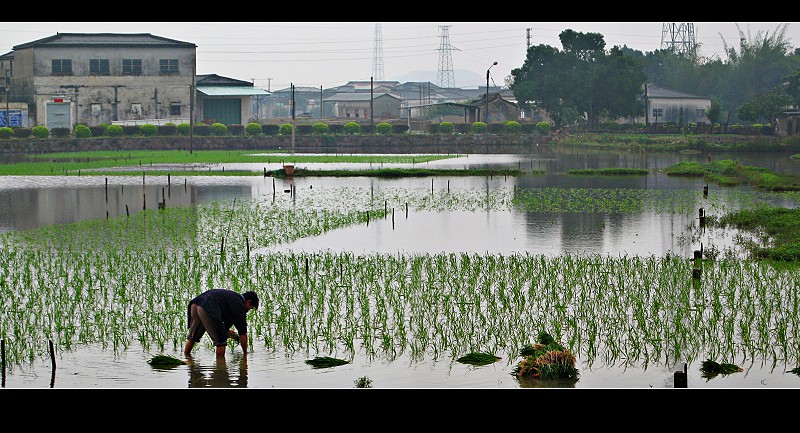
(690,128)
(256,129)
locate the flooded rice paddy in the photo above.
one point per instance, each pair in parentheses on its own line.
(400,277)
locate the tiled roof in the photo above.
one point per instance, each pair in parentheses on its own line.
(104,39)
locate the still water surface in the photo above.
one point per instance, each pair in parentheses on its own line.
(30,202)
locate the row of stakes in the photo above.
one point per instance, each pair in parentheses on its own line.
(52,362)
(681,378)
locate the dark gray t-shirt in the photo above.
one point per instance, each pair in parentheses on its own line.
(223,305)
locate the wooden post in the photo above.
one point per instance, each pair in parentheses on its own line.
(681,378)
(53,362)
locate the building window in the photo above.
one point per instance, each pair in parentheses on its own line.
(132,66)
(168,66)
(136,109)
(700,112)
(62,67)
(99,67)
(658,112)
(96,109)
(174,108)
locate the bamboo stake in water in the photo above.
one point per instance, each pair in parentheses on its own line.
(53,362)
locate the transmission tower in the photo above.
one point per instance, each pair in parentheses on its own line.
(678,38)
(445,78)
(377,55)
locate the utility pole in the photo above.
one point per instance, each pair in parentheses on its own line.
(191,110)
(293,119)
(155,103)
(8,90)
(371,90)
(271,101)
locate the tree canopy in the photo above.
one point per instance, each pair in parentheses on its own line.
(580,81)
(759,77)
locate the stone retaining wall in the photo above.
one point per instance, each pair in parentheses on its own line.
(346,144)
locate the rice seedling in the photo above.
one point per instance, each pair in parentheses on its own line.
(479,358)
(363,382)
(325,362)
(711,369)
(165,361)
(126,279)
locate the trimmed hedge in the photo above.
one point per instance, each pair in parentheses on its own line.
(270,129)
(115,131)
(40,131)
(82,131)
(236,129)
(60,132)
(20,132)
(253,129)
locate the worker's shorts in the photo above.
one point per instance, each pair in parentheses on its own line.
(202,323)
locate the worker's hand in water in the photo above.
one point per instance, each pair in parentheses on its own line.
(232,334)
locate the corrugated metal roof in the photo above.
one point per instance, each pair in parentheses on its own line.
(231,91)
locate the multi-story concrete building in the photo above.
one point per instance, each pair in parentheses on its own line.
(100,78)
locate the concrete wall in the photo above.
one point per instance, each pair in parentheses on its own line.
(401,144)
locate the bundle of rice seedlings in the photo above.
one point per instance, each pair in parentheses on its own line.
(713,368)
(165,361)
(325,361)
(478,358)
(547,359)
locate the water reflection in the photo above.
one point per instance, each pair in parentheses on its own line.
(218,373)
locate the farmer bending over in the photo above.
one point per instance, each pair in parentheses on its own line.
(215,311)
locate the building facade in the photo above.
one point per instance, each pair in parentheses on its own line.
(102,78)
(669,106)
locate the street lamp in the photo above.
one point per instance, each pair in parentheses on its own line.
(486,115)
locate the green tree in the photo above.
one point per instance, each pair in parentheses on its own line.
(714,111)
(580,80)
(793,86)
(764,107)
(759,66)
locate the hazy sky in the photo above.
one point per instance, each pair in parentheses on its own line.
(274,55)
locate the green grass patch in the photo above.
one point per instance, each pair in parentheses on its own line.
(780,225)
(609,171)
(401,172)
(67,163)
(727,172)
